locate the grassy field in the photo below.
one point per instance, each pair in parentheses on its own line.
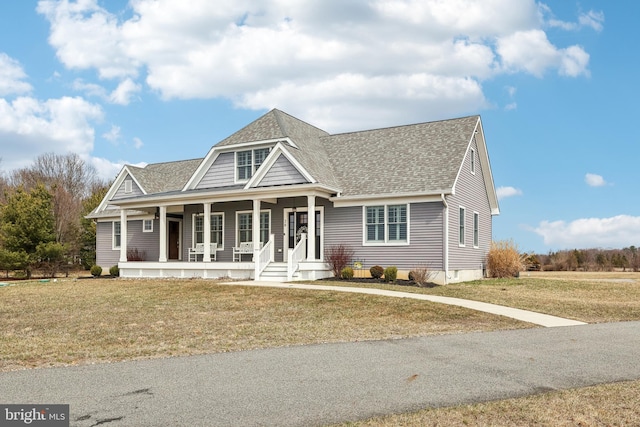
(87,321)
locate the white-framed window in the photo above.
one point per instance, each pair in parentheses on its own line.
(244,226)
(461,226)
(248,162)
(476,229)
(472,153)
(147,226)
(116,239)
(386,224)
(128,186)
(216,229)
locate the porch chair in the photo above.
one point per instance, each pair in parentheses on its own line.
(245,248)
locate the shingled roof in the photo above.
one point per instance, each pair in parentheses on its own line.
(422,158)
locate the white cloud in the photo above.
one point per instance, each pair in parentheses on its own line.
(12,77)
(592,19)
(615,232)
(31,126)
(121,95)
(113,135)
(504,192)
(594,180)
(137,143)
(398,53)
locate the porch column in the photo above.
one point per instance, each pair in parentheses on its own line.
(311,228)
(256,228)
(163,234)
(206,257)
(123,235)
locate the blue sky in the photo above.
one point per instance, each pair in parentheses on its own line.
(158,80)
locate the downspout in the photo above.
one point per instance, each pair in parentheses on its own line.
(446,238)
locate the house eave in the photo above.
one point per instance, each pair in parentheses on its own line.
(364,199)
(220,196)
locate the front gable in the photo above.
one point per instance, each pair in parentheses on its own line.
(283,172)
(125,185)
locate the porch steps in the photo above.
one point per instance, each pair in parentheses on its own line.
(276,272)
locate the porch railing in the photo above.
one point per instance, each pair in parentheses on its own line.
(296,255)
(265,256)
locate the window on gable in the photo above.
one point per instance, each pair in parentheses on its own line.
(128,186)
(476,229)
(461,225)
(116,238)
(473,160)
(147,226)
(248,162)
(386,224)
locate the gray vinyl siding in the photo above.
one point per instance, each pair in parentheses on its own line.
(472,195)
(221,173)
(282,173)
(135,190)
(136,238)
(345,226)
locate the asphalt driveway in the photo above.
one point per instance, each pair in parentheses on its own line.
(320,384)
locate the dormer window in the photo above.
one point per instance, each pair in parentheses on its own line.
(248,162)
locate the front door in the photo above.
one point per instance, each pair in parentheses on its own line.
(298,224)
(174,240)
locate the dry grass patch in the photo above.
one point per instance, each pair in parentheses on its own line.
(588,297)
(85,321)
(605,405)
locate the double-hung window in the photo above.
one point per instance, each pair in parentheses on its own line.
(147,226)
(386,224)
(476,229)
(248,162)
(245,226)
(217,229)
(117,238)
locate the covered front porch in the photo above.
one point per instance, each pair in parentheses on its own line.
(291,239)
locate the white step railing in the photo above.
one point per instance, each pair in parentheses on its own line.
(296,255)
(265,256)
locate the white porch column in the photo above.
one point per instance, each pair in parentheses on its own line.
(206,257)
(256,228)
(311,228)
(163,234)
(123,235)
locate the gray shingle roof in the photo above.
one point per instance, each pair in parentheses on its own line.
(421,158)
(165,177)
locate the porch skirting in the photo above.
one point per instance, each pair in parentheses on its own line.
(214,270)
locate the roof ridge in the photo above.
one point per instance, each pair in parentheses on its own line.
(406,125)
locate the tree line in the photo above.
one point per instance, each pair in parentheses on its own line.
(595,259)
(42,215)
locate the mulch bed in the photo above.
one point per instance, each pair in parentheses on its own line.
(369,280)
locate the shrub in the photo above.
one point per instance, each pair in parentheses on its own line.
(96,270)
(114,271)
(503,259)
(347,273)
(136,255)
(338,257)
(422,275)
(390,274)
(376,271)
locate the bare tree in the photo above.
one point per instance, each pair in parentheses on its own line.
(70,180)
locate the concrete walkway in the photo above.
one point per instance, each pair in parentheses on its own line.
(500,310)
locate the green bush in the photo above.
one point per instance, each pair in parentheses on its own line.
(347,273)
(390,274)
(376,271)
(96,271)
(114,271)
